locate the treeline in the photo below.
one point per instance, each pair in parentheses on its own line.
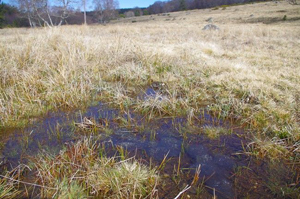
(180,5)
(10,16)
(36,13)
(39,13)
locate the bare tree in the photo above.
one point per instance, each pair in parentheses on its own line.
(40,11)
(63,10)
(84,2)
(99,8)
(110,9)
(26,7)
(157,7)
(129,14)
(106,9)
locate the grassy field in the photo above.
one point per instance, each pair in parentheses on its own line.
(247,71)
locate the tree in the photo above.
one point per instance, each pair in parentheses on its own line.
(137,11)
(62,11)
(99,8)
(26,8)
(84,11)
(110,9)
(129,14)
(2,12)
(145,12)
(40,12)
(8,15)
(106,9)
(182,5)
(157,7)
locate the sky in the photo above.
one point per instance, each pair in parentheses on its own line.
(123,3)
(135,3)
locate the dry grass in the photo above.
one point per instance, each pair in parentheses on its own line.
(247,70)
(215,132)
(79,172)
(7,189)
(9,182)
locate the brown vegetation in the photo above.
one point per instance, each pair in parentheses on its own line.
(247,70)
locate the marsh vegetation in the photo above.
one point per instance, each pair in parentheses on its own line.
(245,74)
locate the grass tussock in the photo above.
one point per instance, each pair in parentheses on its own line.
(276,180)
(7,189)
(271,149)
(248,71)
(9,182)
(216,132)
(80,172)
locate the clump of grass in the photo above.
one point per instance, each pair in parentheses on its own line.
(91,126)
(79,171)
(271,178)
(284,18)
(117,95)
(156,105)
(10,182)
(161,105)
(272,149)
(215,132)
(130,74)
(88,123)
(282,182)
(67,190)
(7,189)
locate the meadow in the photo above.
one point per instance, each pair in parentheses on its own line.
(247,72)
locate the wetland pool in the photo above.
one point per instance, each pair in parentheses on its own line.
(151,141)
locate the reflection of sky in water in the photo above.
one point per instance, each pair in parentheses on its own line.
(198,150)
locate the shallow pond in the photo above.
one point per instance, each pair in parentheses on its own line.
(154,139)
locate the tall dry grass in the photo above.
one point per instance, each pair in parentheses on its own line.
(247,70)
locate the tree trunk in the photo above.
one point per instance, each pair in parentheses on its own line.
(29,20)
(49,17)
(84,11)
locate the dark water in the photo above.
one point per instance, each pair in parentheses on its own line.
(172,136)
